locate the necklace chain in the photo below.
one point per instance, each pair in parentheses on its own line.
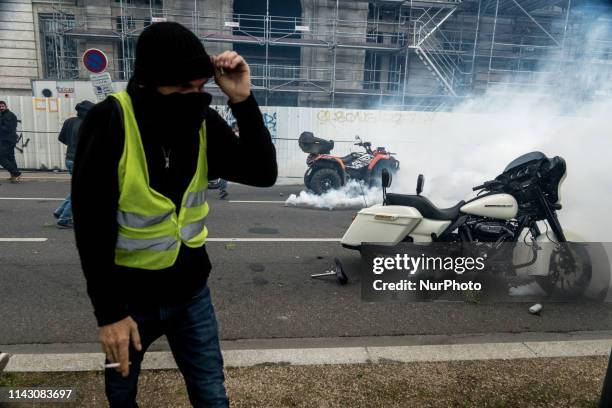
(167,156)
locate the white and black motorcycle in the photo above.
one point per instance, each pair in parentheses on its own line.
(519,205)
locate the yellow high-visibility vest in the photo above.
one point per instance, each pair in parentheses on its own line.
(150,230)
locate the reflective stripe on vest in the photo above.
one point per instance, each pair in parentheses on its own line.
(195,199)
(192,230)
(151,230)
(151,244)
(133,220)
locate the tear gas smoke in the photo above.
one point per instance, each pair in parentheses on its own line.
(351,195)
(529,289)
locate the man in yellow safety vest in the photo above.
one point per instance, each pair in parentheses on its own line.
(141,173)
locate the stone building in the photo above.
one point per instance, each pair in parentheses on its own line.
(422,54)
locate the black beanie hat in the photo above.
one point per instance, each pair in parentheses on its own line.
(170,54)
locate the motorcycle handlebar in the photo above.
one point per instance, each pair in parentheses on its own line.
(486,184)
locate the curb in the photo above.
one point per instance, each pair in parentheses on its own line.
(330,355)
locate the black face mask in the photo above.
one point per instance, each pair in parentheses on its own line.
(167,115)
(188,108)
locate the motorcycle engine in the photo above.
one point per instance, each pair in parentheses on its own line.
(490,231)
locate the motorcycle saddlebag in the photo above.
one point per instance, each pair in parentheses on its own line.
(314,145)
(381,225)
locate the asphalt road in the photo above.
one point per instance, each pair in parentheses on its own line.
(260,289)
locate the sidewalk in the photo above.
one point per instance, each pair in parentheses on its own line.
(63,175)
(316,351)
(37,175)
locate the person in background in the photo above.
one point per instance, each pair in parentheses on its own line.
(223,189)
(221,184)
(8,140)
(69,135)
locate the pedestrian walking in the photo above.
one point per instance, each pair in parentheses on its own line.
(141,173)
(69,135)
(8,140)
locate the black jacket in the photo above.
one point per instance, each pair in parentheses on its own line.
(8,126)
(69,135)
(248,159)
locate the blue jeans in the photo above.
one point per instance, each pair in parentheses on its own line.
(64,211)
(191,329)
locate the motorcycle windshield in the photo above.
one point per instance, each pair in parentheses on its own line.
(522,160)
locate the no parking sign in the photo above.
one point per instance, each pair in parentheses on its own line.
(95,61)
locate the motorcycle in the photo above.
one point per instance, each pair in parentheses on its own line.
(506,210)
(327,172)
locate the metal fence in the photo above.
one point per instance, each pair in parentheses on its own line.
(42,118)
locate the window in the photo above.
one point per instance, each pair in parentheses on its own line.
(396,72)
(371,72)
(145,2)
(283,61)
(60,58)
(125,23)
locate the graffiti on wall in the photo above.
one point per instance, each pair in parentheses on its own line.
(363,116)
(226,113)
(270,119)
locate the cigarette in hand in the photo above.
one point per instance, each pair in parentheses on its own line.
(114,365)
(220,68)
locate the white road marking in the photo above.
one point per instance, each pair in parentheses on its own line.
(209,239)
(257,201)
(33,198)
(273,239)
(23,239)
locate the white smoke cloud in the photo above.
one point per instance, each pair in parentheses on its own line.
(473,143)
(352,195)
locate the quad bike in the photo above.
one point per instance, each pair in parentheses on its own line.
(507,211)
(327,172)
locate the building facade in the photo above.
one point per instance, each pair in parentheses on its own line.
(422,55)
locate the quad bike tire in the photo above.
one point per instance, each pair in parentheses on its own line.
(570,272)
(324,179)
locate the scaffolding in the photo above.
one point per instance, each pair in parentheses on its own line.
(467,46)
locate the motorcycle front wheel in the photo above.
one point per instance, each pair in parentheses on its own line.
(570,271)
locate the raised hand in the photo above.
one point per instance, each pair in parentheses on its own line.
(233,75)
